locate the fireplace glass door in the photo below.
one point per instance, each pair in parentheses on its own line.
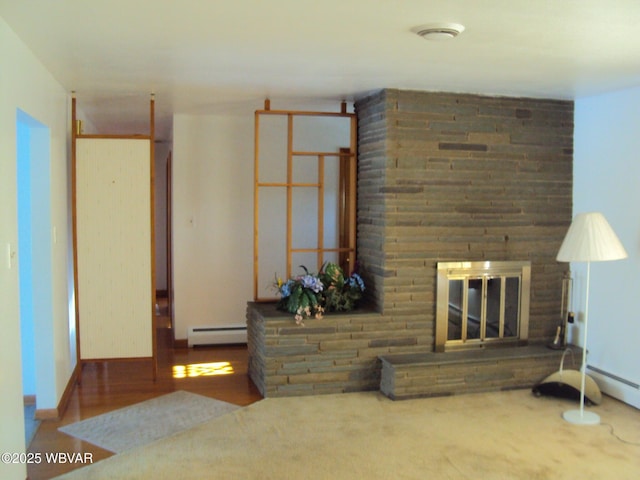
(481,303)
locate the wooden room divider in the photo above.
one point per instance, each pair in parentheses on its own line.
(305,172)
(113,235)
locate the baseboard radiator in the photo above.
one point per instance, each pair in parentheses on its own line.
(618,387)
(614,377)
(223,334)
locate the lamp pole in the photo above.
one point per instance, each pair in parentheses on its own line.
(580,416)
(589,238)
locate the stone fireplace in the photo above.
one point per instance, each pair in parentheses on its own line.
(451,178)
(442,177)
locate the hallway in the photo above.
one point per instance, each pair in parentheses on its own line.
(109,386)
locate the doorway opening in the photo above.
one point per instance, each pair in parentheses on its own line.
(35,264)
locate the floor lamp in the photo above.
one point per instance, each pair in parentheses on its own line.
(590,239)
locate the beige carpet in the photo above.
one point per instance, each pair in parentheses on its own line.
(505,435)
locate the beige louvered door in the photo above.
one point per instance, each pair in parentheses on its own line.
(113,228)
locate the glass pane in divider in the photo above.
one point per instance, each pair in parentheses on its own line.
(304,217)
(272,160)
(321,134)
(305,169)
(272,245)
(331,202)
(331,257)
(307,259)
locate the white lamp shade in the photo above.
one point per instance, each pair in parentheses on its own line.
(590,239)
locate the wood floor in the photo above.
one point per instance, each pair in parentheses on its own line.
(107,387)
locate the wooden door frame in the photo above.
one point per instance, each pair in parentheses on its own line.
(169,234)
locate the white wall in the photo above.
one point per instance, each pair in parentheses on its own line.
(607,179)
(26,85)
(213,208)
(212,219)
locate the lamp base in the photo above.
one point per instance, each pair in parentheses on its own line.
(578,417)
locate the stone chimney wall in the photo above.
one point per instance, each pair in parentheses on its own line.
(452,177)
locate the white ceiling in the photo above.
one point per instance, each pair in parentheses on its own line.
(211,56)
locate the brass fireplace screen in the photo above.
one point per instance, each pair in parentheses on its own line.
(481,304)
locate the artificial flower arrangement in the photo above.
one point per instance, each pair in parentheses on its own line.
(310,295)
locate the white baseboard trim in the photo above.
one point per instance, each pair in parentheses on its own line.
(617,387)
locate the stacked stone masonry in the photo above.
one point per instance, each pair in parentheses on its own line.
(336,354)
(447,177)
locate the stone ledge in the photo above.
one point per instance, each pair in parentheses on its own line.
(407,376)
(479,354)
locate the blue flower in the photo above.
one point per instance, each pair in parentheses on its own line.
(311,295)
(285,289)
(312,283)
(356,281)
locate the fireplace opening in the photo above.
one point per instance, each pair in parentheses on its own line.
(482,304)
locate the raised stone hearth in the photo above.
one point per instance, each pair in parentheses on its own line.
(437,374)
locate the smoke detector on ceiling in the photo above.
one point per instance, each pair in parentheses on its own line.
(439,31)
